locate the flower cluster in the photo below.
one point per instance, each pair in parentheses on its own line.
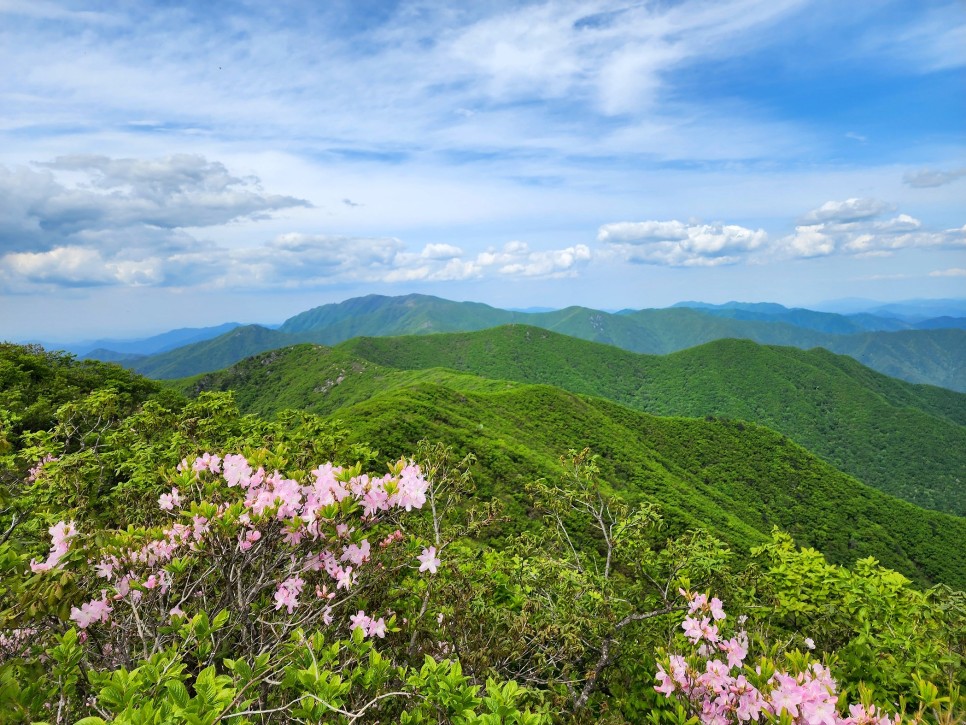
(370,626)
(97,610)
(724,691)
(34,473)
(252,507)
(60,536)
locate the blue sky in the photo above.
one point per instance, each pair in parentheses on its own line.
(180,164)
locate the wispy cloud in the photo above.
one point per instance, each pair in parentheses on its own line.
(929,178)
(311,145)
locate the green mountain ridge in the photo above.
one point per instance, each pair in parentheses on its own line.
(935,357)
(735,479)
(220,351)
(907,440)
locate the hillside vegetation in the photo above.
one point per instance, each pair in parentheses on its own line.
(907,440)
(173,560)
(736,480)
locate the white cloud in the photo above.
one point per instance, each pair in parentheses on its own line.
(849,210)
(929,178)
(76,267)
(951,272)
(679,244)
(612,55)
(852,227)
(124,202)
(292,260)
(516,259)
(441,251)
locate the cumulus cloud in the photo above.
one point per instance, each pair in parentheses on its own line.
(441,251)
(849,210)
(130,202)
(306,259)
(680,244)
(856,227)
(516,259)
(287,261)
(928,178)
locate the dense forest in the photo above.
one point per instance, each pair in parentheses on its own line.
(354,535)
(907,440)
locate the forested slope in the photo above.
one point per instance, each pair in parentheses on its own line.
(906,440)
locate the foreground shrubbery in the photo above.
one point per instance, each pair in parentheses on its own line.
(253,584)
(257,596)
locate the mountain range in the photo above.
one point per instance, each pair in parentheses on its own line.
(907,440)
(734,478)
(933,355)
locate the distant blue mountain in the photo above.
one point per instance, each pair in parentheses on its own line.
(116,350)
(911,311)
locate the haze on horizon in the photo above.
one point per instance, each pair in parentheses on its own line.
(166,165)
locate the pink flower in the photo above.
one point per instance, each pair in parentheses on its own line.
(717,611)
(287,594)
(345,578)
(200,526)
(237,472)
(428,560)
(356,554)
(377,628)
(167,501)
(692,629)
(105,569)
(736,648)
(207,462)
(698,602)
(97,610)
(665,684)
(359,619)
(60,536)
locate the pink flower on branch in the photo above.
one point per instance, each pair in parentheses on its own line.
(428,560)
(169,501)
(287,594)
(97,610)
(720,694)
(60,536)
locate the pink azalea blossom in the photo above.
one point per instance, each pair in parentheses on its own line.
(345,578)
(168,501)
(97,610)
(60,536)
(377,628)
(717,611)
(287,594)
(428,560)
(359,619)
(356,555)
